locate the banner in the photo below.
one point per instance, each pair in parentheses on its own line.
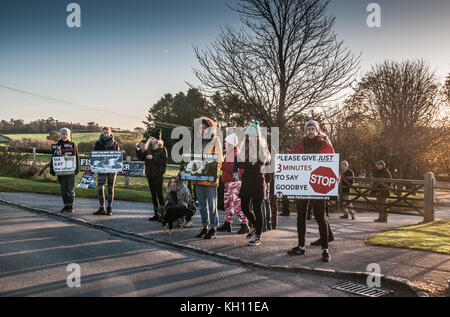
(200,167)
(306,176)
(85,163)
(133,168)
(106,162)
(64,165)
(87,181)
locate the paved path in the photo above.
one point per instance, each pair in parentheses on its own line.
(35,251)
(348,251)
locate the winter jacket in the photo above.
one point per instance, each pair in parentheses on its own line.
(344,186)
(62,148)
(101,145)
(378,188)
(212,147)
(227,170)
(155,167)
(180,198)
(321,145)
(253,182)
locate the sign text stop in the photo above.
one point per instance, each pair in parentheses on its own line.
(323,180)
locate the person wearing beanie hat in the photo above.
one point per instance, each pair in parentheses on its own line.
(232,181)
(254,153)
(106,142)
(346,173)
(314,142)
(154,155)
(381,192)
(64,147)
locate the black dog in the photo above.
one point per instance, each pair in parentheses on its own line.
(171,213)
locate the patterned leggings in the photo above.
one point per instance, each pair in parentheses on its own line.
(232,202)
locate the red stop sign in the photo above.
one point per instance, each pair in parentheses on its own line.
(323,180)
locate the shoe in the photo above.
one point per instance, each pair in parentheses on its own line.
(202,233)
(308,217)
(381,220)
(100,212)
(252,233)
(353,217)
(344,217)
(64,209)
(297,251)
(269,226)
(156,217)
(109,211)
(211,234)
(70,210)
(326,256)
(188,224)
(318,243)
(254,242)
(284,215)
(226,227)
(244,229)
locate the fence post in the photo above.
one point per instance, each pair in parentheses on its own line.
(430,182)
(34,157)
(127,177)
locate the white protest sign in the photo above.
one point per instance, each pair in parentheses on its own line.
(306,176)
(64,165)
(106,162)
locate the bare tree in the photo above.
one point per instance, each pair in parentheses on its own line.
(286,60)
(401,102)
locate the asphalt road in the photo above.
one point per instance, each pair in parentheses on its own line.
(35,252)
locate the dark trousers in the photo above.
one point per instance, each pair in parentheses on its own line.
(285,202)
(66,183)
(156,190)
(102,179)
(273,205)
(255,216)
(319,207)
(221,196)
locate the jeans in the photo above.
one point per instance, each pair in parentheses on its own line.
(66,183)
(207,199)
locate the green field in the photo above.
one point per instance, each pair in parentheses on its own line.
(434,236)
(76,137)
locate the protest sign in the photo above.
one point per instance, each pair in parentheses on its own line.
(64,165)
(199,167)
(106,162)
(133,168)
(87,181)
(306,176)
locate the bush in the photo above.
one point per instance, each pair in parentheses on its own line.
(17,164)
(53,136)
(86,147)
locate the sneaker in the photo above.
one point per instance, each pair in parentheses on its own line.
(211,234)
(269,226)
(226,227)
(188,224)
(344,217)
(255,241)
(64,209)
(70,209)
(100,212)
(252,233)
(297,251)
(353,217)
(202,233)
(109,211)
(326,256)
(244,229)
(381,220)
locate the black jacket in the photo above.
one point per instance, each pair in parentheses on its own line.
(345,187)
(378,187)
(62,148)
(100,145)
(155,167)
(253,183)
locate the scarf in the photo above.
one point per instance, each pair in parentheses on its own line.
(107,140)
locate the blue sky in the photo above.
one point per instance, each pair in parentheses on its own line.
(127,54)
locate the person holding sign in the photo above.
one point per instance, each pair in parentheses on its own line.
(205,131)
(254,153)
(155,157)
(65,164)
(312,143)
(106,142)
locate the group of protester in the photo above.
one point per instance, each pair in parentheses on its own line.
(247,190)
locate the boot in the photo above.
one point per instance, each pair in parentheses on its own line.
(100,212)
(244,229)
(226,227)
(211,234)
(109,211)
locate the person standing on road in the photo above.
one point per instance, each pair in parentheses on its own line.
(155,157)
(314,142)
(65,147)
(232,181)
(253,188)
(206,191)
(381,190)
(106,142)
(346,173)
